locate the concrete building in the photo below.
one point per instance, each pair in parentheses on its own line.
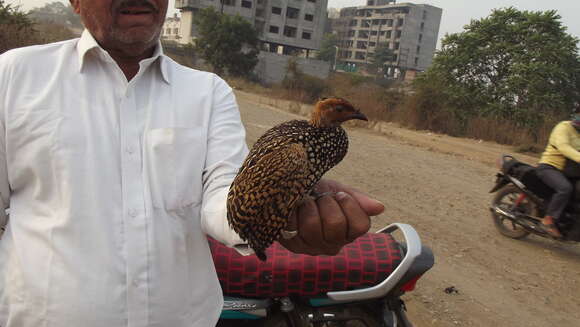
(284,26)
(171,29)
(409,30)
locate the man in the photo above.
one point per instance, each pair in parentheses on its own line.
(115,162)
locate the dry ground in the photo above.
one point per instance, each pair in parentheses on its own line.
(440,185)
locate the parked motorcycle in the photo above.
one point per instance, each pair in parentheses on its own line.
(361,286)
(521,200)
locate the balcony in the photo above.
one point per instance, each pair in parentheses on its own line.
(188,4)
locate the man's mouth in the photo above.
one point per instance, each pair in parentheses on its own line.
(136,7)
(136,11)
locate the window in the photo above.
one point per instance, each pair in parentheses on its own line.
(389,34)
(400,22)
(289,31)
(176,31)
(370,3)
(397,45)
(292,12)
(306,35)
(374,32)
(351,33)
(389,22)
(420,37)
(424,14)
(246,4)
(168,31)
(383,33)
(422,26)
(229,2)
(277,10)
(353,22)
(361,44)
(398,34)
(274,29)
(309,17)
(418,49)
(311,0)
(363,34)
(372,44)
(360,55)
(416,61)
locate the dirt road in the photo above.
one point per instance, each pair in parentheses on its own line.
(440,185)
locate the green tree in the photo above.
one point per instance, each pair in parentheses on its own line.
(228,43)
(380,57)
(15,27)
(514,65)
(328,48)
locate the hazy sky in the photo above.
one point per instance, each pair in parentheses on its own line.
(456,13)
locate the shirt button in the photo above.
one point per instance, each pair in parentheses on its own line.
(133,213)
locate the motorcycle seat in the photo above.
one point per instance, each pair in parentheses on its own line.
(365,262)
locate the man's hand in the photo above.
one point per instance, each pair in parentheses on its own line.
(327,224)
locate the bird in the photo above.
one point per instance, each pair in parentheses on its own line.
(282,168)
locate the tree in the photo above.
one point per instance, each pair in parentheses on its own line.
(380,57)
(15,27)
(514,65)
(328,48)
(228,43)
(56,12)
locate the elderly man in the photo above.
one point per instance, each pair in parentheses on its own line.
(115,162)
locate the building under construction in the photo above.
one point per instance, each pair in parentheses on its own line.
(409,30)
(283,26)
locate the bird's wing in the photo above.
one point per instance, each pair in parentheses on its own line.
(263,195)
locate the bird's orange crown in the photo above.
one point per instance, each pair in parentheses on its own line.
(330,112)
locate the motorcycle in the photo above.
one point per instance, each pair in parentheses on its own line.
(521,201)
(361,286)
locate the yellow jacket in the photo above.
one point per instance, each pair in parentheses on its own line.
(564,143)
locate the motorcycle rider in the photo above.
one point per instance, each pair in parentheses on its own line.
(563,149)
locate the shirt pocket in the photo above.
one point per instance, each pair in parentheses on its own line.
(174,161)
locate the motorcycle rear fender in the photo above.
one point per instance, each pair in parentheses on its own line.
(500,182)
(414,250)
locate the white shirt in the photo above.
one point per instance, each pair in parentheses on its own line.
(112,188)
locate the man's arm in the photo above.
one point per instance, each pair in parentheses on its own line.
(226,150)
(560,138)
(4,186)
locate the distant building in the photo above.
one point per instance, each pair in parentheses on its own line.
(409,30)
(171,29)
(284,26)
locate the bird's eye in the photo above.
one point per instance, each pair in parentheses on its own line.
(339,108)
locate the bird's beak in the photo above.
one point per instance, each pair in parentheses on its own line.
(359,115)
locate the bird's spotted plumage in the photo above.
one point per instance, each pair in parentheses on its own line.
(282,168)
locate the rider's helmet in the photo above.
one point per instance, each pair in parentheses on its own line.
(576,115)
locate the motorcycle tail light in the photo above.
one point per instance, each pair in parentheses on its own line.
(499,163)
(410,285)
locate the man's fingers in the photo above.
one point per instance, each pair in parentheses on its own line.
(309,224)
(334,222)
(358,222)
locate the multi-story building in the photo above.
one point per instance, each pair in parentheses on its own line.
(409,30)
(284,26)
(171,29)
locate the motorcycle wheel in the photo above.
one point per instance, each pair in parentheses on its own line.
(505,199)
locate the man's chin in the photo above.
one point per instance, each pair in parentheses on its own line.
(136,40)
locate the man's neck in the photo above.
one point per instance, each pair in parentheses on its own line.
(130,64)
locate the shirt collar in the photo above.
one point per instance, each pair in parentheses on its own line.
(87,43)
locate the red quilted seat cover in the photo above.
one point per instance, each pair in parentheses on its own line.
(365,262)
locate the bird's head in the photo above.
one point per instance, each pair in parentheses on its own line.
(330,112)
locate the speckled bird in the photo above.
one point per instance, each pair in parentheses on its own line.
(282,168)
